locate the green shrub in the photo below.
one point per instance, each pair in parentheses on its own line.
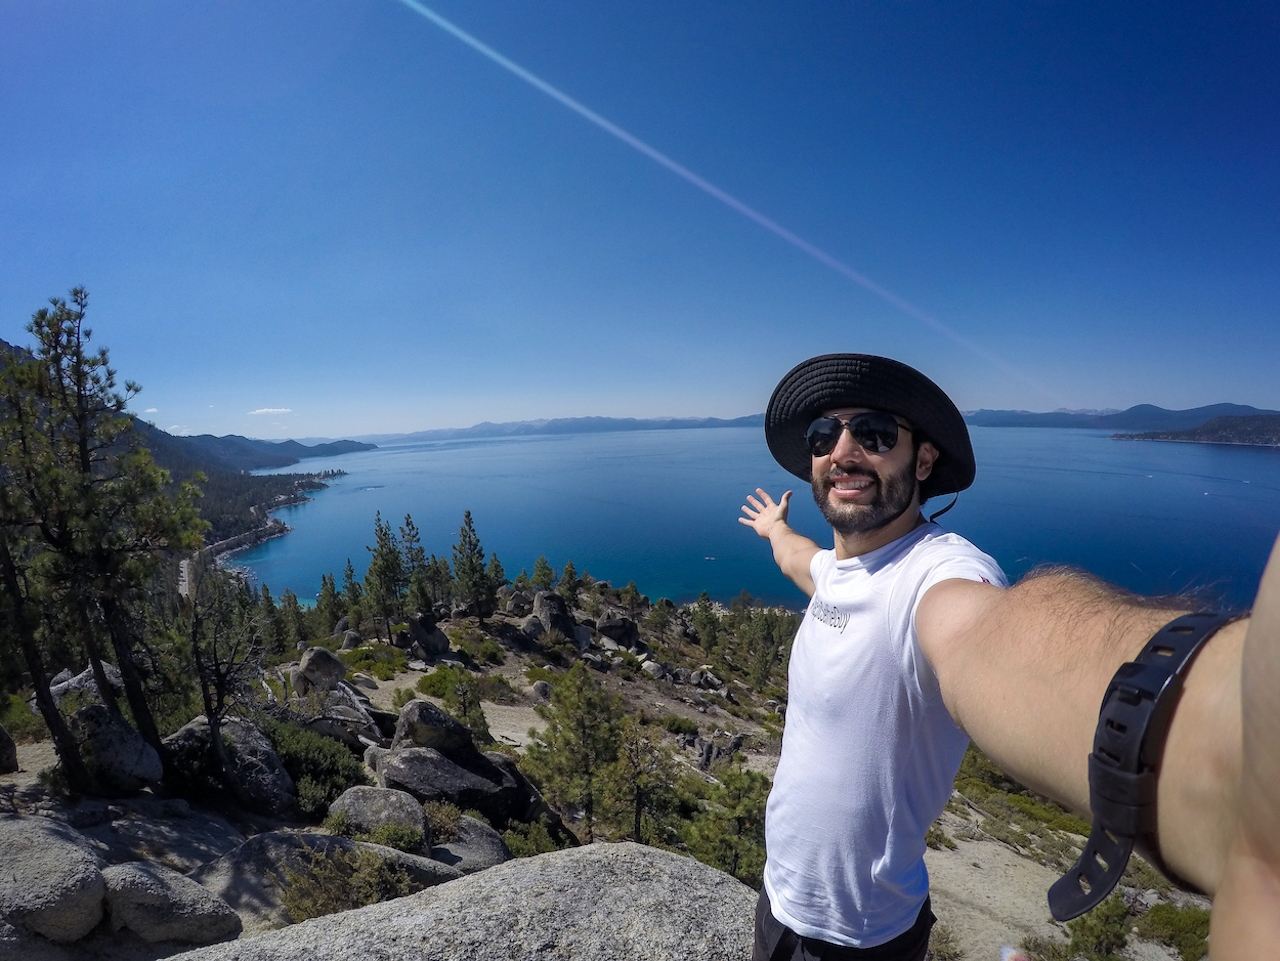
(16,717)
(1186,930)
(439,682)
(944,945)
(443,818)
(1101,934)
(526,840)
(679,725)
(339,823)
(496,690)
(1042,949)
(1141,875)
(381,661)
(536,673)
(938,839)
(401,697)
(402,837)
(321,768)
(341,881)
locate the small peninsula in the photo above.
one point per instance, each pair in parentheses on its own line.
(1262,430)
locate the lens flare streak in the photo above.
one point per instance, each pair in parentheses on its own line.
(726,198)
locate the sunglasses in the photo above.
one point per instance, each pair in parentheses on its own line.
(875,431)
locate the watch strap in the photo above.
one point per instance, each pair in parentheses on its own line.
(1124,766)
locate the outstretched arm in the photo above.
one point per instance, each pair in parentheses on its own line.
(791,551)
(1024,671)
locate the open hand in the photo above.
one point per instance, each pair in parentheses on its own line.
(762,514)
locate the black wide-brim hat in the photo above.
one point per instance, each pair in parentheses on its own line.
(862,380)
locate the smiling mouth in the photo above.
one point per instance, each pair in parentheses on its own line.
(851,483)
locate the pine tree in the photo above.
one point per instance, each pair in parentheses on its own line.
(631,598)
(706,622)
(292,621)
(463,701)
(729,832)
(496,575)
(569,585)
(472,585)
(660,617)
(96,512)
(521,583)
(328,605)
(225,653)
(385,579)
(569,756)
(640,786)
(270,626)
(351,590)
(439,579)
(543,575)
(418,597)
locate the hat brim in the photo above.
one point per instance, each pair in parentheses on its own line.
(864,380)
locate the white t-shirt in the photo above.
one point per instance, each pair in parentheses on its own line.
(870,752)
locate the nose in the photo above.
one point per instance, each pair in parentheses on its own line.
(847,450)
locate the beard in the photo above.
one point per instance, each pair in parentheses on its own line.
(893,497)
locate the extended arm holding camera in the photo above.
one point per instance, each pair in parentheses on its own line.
(1024,670)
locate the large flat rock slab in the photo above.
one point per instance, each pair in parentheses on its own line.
(621,902)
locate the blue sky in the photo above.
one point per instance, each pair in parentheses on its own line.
(340,215)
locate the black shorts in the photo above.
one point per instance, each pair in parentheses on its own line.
(774,941)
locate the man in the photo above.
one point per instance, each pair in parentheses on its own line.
(1022,671)
(870,750)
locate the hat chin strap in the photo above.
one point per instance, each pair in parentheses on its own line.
(934,517)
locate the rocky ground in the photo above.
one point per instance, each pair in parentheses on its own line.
(988,887)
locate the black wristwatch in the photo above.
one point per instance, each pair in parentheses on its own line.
(1125,763)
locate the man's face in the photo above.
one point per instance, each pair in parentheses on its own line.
(859,491)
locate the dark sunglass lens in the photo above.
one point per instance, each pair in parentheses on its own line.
(822,436)
(875,432)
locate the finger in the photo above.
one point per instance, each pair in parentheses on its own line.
(786,499)
(764,496)
(754,503)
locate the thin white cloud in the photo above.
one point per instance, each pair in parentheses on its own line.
(152,410)
(179,430)
(271,410)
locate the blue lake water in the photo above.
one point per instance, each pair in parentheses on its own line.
(661,507)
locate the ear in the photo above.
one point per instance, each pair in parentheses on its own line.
(926,457)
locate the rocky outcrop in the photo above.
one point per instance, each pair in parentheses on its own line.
(8,753)
(85,683)
(50,882)
(623,902)
(267,786)
(473,781)
(351,640)
(425,639)
(118,759)
(550,609)
(422,724)
(345,715)
(158,904)
(366,808)
(519,603)
(322,669)
(475,847)
(250,878)
(619,628)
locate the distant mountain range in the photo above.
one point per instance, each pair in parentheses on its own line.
(237,453)
(1144,417)
(568,425)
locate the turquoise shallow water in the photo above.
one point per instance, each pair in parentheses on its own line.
(661,507)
